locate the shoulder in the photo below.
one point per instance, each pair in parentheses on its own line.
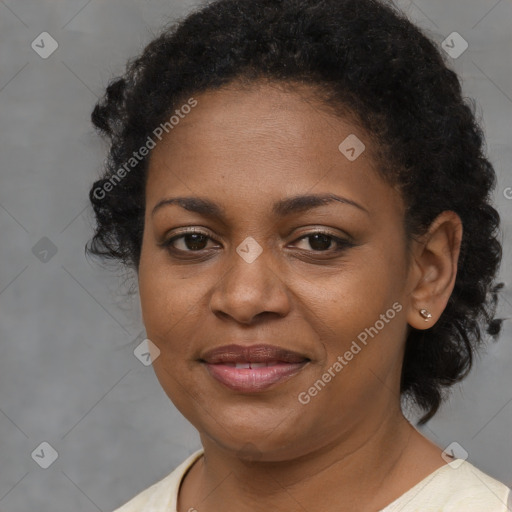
(455,487)
(476,489)
(163,494)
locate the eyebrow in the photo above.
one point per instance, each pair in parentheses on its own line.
(281,208)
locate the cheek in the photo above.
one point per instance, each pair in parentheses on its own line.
(354,297)
(165,310)
(359,316)
(163,297)
(173,307)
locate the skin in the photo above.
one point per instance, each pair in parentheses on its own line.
(350,448)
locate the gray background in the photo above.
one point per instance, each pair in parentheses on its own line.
(68,374)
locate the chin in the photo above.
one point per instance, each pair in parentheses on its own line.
(254,442)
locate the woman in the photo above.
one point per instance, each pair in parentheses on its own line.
(303,194)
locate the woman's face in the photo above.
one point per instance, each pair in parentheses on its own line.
(257,272)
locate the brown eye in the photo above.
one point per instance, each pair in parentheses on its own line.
(322,242)
(188,241)
(194,241)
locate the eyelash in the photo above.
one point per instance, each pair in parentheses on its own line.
(341,244)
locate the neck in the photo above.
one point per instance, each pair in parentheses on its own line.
(352,472)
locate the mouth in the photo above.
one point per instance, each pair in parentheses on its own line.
(254,368)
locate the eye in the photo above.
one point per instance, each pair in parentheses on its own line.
(323,241)
(194,240)
(188,241)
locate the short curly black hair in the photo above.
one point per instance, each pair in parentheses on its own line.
(367,59)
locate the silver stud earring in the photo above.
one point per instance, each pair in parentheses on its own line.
(425,313)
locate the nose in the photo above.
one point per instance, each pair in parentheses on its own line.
(250,290)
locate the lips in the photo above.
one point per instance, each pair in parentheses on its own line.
(254,368)
(254,354)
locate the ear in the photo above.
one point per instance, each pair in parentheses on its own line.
(433,269)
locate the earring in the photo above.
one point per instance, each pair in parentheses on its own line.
(425,313)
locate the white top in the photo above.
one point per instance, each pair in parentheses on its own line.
(455,487)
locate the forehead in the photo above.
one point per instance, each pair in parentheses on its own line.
(265,139)
(294,114)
